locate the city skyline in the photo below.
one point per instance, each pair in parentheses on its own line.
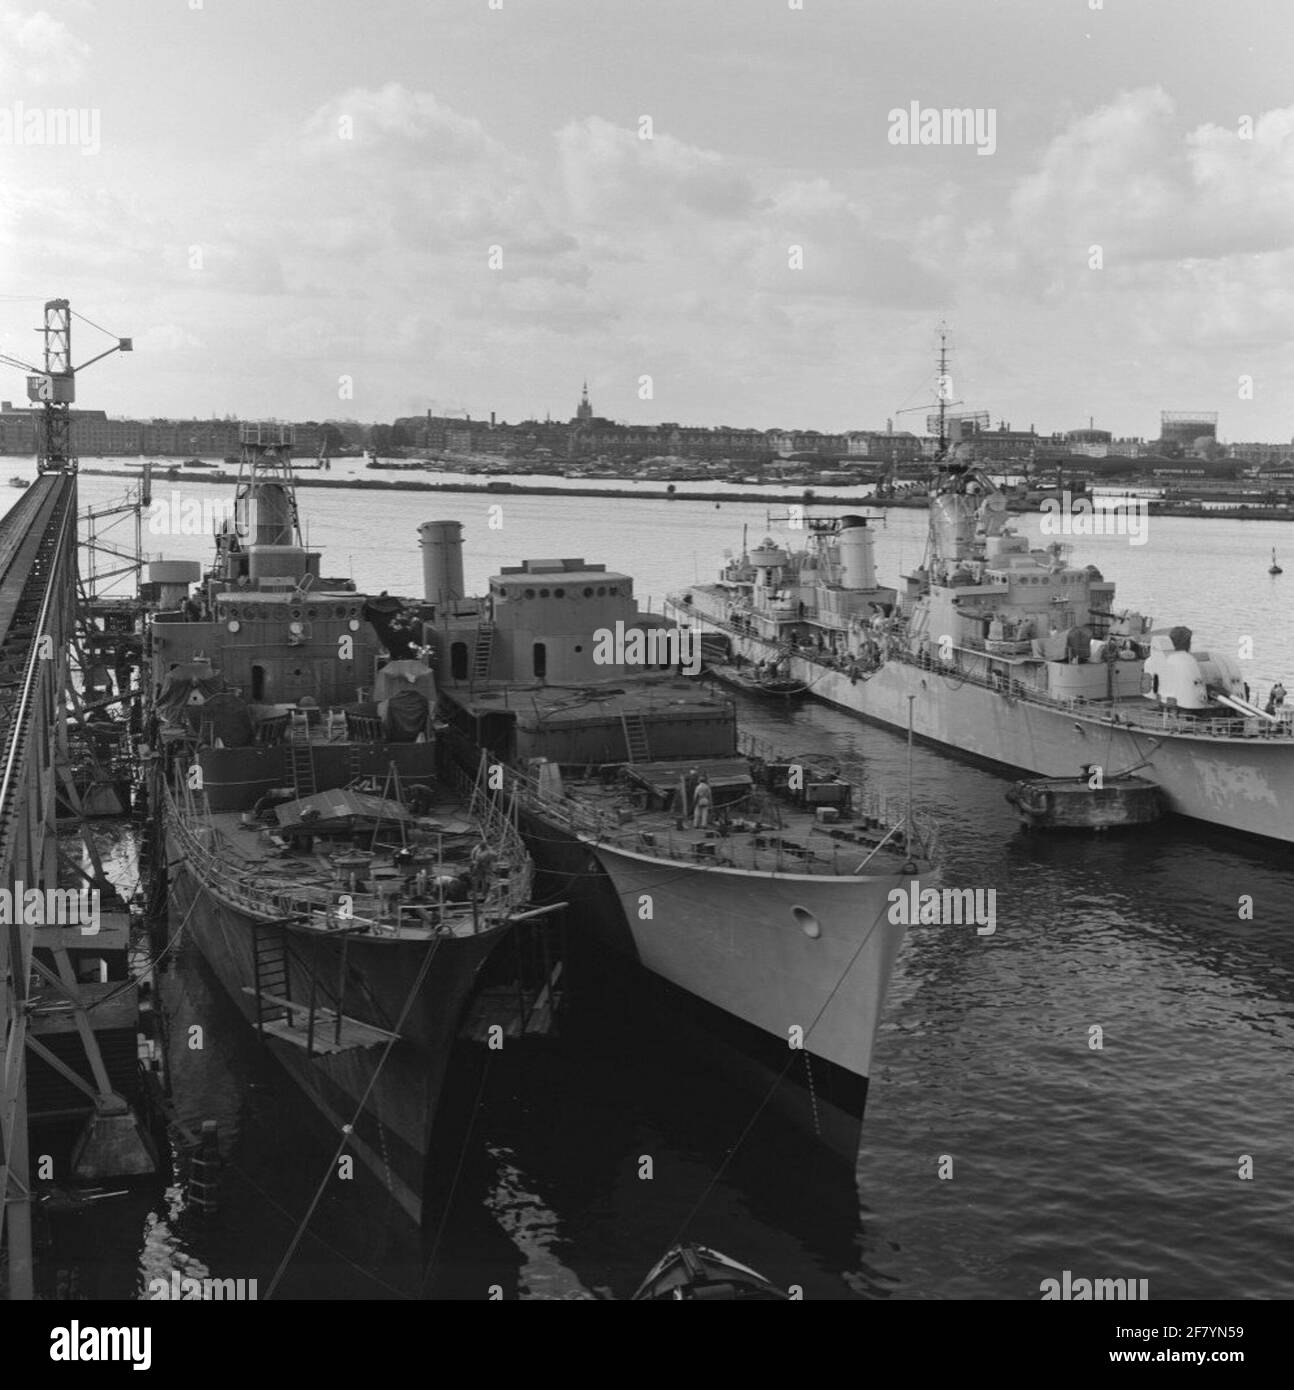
(453,194)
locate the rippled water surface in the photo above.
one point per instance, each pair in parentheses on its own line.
(1117,1160)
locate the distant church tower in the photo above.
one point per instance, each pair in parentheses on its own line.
(584,411)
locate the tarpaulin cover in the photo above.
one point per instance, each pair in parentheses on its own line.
(406,716)
(336,807)
(228,716)
(405,675)
(181,683)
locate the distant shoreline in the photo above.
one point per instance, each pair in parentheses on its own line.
(512,489)
(917,501)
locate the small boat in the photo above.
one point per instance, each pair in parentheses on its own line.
(1274,568)
(1073,803)
(16,481)
(690,1273)
(754,681)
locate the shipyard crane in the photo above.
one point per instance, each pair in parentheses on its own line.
(53,386)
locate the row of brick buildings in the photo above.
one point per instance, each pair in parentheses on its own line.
(591,437)
(1182,435)
(93,433)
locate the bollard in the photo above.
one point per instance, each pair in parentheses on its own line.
(204,1171)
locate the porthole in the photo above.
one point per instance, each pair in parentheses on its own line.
(807,922)
(602,588)
(312,612)
(543,593)
(579,649)
(339,611)
(559,593)
(588,592)
(530,593)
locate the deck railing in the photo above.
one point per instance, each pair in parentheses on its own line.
(1156,721)
(778,853)
(262,897)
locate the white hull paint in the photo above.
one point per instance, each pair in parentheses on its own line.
(1243,784)
(733,939)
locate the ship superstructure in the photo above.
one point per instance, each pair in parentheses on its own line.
(347,895)
(763,914)
(1010,652)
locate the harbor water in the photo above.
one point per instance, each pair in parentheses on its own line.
(1082,1089)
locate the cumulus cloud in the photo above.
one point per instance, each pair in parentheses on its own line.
(37,50)
(610,173)
(392,119)
(1128,177)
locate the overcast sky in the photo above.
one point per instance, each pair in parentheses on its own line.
(286,196)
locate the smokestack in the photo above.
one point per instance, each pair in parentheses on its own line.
(442,560)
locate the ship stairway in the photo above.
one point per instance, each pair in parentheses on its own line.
(301,754)
(636,744)
(483,652)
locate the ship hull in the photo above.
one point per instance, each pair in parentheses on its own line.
(1246,785)
(783,1002)
(396,1133)
(731,974)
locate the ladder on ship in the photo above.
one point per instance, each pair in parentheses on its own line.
(636,745)
(272,982)
(318,1025)
(483,652)
(301,754)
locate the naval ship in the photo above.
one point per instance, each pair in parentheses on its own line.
(762,922)
(350,900)
(1009,653)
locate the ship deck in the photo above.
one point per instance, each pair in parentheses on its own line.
(751,829)
(270,874)
(638,695)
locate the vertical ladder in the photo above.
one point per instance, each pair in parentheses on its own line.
(301,754)
(270,972)
(484,651)
(636,743)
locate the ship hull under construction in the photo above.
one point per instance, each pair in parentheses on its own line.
(393,1101)
(1243,784)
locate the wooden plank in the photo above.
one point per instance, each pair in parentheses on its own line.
(111,936)
(275,1001)
(325,1045)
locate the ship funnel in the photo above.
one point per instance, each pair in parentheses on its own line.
(442,560)
(857,565)
(273,515)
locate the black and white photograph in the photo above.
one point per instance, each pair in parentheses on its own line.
(646,655)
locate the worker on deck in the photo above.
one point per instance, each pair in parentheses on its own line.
(483,858)
(1276,699)
(702,799)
